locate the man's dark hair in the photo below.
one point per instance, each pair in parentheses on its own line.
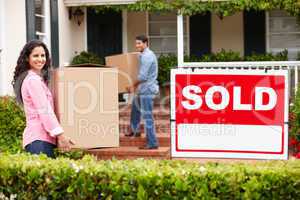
(142,38)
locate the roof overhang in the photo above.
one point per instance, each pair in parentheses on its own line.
(71,3)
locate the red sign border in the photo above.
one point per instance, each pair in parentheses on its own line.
(234,151)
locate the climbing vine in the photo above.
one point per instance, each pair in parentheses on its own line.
(222,8)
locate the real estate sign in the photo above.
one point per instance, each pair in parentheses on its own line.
(229,113)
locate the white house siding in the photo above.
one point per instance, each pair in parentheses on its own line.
(72,38)
(13,38)
(2,13)
(228,33)
(136,25)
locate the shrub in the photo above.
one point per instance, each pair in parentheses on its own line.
(294,124)
(74,154)
(222,56)
(12,124)
(87,58)
(281,56)
(31,177)
(167,62)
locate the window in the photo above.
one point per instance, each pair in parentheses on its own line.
(283,33)
(163,33)
(42,21)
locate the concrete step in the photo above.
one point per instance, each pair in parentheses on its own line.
(163,140)
(130,153)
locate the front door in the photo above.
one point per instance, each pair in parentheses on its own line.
(104,32)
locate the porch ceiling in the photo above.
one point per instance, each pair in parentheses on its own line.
(71,3)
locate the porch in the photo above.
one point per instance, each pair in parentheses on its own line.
(112,31)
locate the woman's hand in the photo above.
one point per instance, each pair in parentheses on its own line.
(64,143)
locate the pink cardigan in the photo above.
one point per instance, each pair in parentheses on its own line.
(41,121)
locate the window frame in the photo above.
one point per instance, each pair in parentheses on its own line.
(269,34)
(46,22)
(187,36)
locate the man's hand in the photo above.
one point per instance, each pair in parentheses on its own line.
(130,89)
(64,143)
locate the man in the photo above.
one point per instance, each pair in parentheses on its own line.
(145,89)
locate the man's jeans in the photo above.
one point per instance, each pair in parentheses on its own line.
(142,106)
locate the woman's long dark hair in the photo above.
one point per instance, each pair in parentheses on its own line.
(22,67)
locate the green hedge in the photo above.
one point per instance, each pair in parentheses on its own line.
(167,62)
(32,177)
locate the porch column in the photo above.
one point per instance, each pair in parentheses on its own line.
(54,33)
(30,20)
(180,40)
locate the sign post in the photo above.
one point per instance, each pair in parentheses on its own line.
(229,113)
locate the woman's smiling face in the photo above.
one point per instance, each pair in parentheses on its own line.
(37,59)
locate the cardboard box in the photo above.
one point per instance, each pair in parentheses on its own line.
(86,103)
(128,66)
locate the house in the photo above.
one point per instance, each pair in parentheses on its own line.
(71,26)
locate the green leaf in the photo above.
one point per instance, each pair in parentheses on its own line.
(141,194)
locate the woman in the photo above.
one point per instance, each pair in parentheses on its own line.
(30,85)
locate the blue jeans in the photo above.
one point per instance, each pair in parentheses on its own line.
(142,106)
(38,147)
